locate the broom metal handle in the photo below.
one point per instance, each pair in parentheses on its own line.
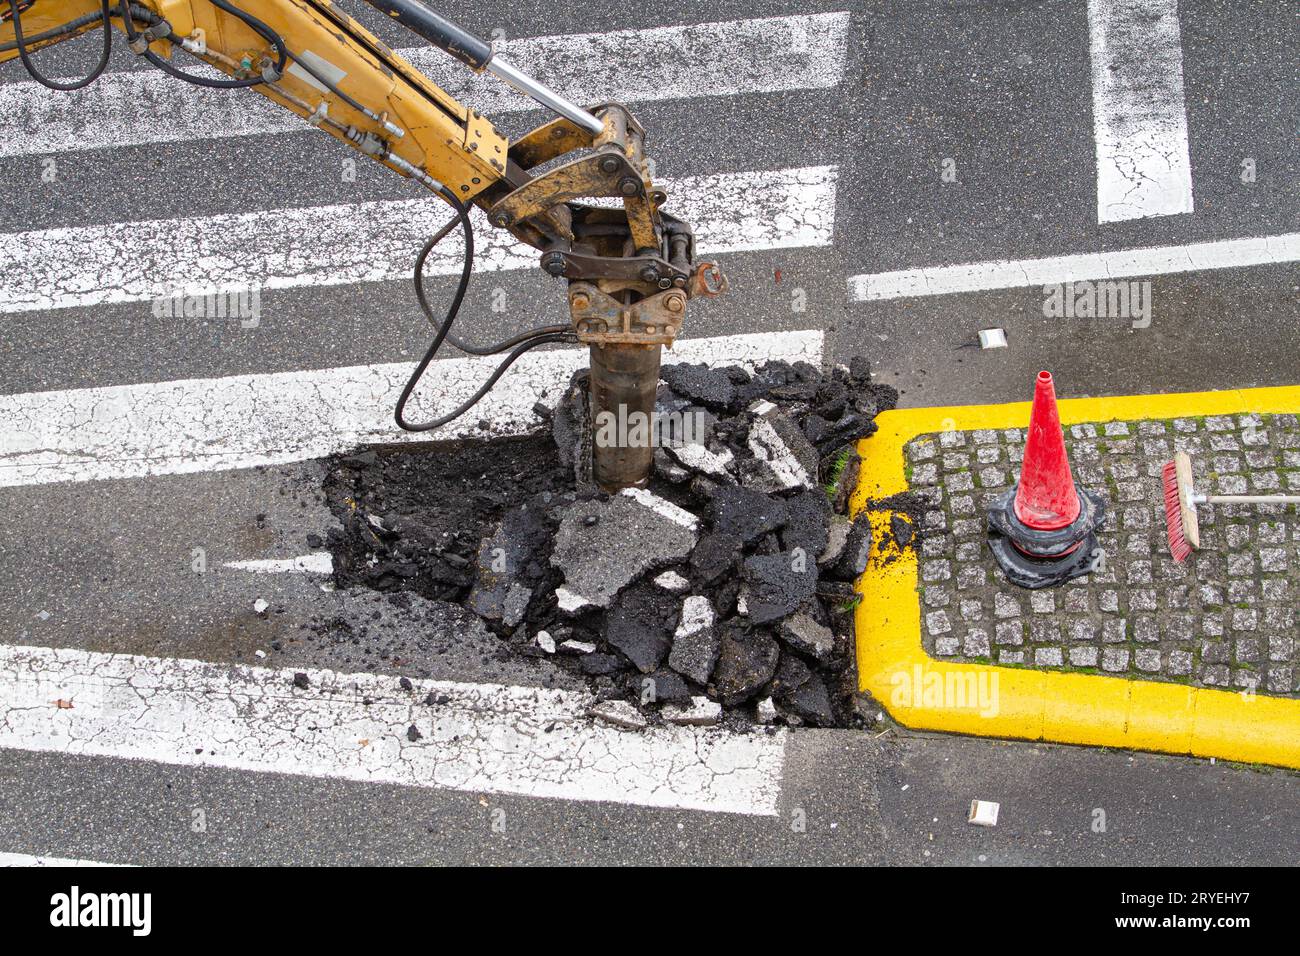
(1246,499)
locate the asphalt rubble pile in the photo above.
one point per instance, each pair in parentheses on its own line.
(722,591)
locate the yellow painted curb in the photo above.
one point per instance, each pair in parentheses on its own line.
(928,694)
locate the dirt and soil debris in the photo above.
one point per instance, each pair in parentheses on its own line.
(722,591)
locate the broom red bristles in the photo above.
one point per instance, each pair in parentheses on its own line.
(1178,545)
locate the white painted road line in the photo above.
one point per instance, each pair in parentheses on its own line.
(1139,117)
(365,242)
(53,862)
(1012,274)
(484,738)
(731,58)
(318,562)
(192,425)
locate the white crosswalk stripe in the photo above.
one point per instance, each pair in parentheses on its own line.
(192,425)
(484,738)
(1124,263)
(729,58)
(1139,119)
(365,242)
(318,562)
(50,862)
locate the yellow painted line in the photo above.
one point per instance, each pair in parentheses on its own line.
(990,701)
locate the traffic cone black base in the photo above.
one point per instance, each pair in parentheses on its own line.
(1035,573)
(1038,543)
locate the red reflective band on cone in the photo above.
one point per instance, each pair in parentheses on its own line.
(1046,498)
(1048,557)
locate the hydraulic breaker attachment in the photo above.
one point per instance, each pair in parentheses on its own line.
(625,335)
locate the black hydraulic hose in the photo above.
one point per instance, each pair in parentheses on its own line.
(329,84)
(529,340)
(422,296)
(20,44)
(72,26)
(258,26)
(473,400)
(252,22)
(545,330)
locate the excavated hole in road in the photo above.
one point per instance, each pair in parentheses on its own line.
(723,591)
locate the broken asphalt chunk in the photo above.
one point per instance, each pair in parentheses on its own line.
(636,532)
(784,459)
(857,549)
(502,559)
(745,513)
(778,585)
(802,633)
(664,686)
(516,605)
(672,581)
(812,702)
(667,467)
(695,642)
(809,522)
(746,662)
(714,557)
(568,421)
(618,713)
(700,460)
(710,387)
(837,537)
(640,624)
(600,663)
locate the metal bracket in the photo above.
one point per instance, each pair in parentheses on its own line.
(601,319)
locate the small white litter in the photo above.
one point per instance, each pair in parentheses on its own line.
(993,338)
(672,581)
(260,606)
(983,813)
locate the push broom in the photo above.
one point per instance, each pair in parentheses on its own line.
(1181,500)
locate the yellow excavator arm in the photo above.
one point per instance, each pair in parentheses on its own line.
(379,103)
(630,266)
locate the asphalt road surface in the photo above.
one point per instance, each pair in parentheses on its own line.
(840,160)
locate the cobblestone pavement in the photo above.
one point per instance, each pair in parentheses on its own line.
(1225,618)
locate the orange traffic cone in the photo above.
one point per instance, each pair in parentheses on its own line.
(1045,497)
(1042,532)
